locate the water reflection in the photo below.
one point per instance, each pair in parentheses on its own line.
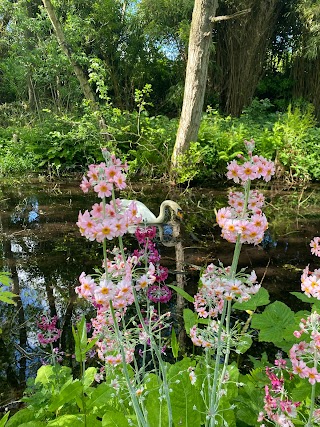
(44,253)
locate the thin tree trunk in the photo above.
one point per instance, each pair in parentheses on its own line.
(86,89)
(196,76)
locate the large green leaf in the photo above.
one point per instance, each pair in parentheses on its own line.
(5,278)
(66,395)
(114,419)
(185,398)
(100,396)
(34,424)
(75,421)
(7,297)
(272,322)
(23,416)
(157,409)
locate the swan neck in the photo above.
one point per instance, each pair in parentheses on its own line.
(162,213)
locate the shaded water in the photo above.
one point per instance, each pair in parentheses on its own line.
(42,249)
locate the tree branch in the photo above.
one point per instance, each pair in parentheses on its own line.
(233,16)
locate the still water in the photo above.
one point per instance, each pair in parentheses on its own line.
(45,254)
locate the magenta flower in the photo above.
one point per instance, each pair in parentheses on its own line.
(158,293)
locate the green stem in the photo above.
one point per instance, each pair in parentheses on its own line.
(215,392)
(140,417)
(158,354)
(214,398)
(313,394)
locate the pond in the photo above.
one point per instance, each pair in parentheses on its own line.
(45,254)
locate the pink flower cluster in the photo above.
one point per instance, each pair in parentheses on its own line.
(217,287)
(159,293)
(108,348)
(117,287)
(310,280)
(113,291)
(237,220)
(278,408)
(253,168)
(244,217)
(106,220)
(102,177)
(50,332)
(304,355)
(206,338)
(315,246)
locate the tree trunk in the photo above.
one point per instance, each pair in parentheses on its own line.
(196,77)
(86,89)
(241,51)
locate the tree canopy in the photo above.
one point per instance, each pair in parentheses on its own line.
(122,45)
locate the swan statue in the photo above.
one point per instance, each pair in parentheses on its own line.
(148,217)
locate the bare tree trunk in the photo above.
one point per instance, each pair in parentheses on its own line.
(196,76)
(86,89)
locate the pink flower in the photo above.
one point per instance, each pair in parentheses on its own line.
(248,171)
(158,293)
(313,375)
(103,189)
(85,185)
(106,230)
(315,246)
(233,171)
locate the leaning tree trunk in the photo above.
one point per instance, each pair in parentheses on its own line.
(84,84)
(196,77)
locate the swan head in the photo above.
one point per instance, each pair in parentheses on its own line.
(175,207)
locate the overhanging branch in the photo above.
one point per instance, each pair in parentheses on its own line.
(226,17)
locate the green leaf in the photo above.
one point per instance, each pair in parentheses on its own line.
(114,419)
(273,321)
(23,416)
(181,292)
(302,391)
(67,394)
(81,340)
(244,343)
(75,421)
(174,344)
(43,375)
(100,396)
(7,297)
(157,409)
(190,319)
(4,419)
(5,278)
(184,396)
(303,297)
(260,298)
(33,424)
(89,376)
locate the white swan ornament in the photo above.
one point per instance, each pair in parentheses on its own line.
(148,217)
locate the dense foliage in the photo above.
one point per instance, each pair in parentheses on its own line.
(55,144)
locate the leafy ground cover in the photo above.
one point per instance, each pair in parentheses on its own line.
(55,144)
